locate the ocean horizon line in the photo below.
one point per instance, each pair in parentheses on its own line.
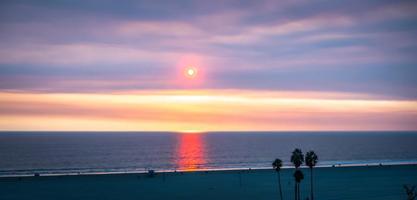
(208,132)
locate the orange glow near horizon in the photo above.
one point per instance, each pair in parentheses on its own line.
(191,152)
(203,110)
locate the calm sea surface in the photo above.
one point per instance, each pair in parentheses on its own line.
(86,152)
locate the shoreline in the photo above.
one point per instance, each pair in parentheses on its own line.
(347,183)
(353,165)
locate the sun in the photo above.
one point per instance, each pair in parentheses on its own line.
(191,72)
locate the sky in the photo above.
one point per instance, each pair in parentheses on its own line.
(260,65)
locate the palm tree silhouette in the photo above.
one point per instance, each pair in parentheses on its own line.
(298,176)
(297,158)
(411,193)
(277,164)
(311,161)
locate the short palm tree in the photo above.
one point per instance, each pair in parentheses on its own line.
(298,176)
(311,161)
(277,164)
(411,193)
(297,158)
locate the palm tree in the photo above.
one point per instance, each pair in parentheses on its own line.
(297,158)
(298,176)
(277,164)
(411,193)
(311,161)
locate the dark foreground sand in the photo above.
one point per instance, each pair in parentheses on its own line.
(330,183)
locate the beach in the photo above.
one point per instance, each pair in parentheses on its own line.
(353,182)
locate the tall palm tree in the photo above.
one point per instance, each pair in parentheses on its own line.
(298,176)
(297,158)
(311,161)
(277,164)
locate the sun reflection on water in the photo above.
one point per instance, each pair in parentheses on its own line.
(191,152)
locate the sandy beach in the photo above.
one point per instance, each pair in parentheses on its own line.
(361,182)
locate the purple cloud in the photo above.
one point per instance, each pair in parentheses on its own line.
(354,46)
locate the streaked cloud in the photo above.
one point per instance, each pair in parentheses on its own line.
(80,54)
(204,110)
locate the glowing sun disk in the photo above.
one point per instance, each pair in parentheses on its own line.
(191,72)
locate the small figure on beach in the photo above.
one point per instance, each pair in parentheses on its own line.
(151,173)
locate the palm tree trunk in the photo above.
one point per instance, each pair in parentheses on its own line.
(295,192)
(279,182)
(311,183)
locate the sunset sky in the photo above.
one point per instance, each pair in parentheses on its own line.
(255,65)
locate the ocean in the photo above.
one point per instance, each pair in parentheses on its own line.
(26,153)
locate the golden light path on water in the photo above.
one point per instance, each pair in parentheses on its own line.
(191,151)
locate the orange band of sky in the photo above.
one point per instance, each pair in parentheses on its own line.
(203,110)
